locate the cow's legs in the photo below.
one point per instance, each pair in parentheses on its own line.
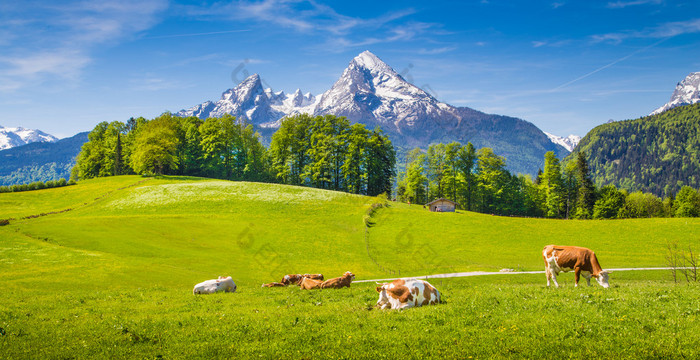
(554,277)
(548,273)
(588,278)
(577,272)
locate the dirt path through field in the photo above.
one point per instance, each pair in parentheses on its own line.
(483,273)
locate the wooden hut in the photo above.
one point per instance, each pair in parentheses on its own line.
(442,205)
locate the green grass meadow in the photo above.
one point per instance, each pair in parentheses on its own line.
(112,278)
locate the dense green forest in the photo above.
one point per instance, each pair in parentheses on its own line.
(478,181)
(657,154)
(319,151)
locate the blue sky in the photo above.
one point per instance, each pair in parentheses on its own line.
(566,66)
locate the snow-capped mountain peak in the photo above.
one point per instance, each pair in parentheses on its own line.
(569,142)
(11,137)
(371,62)
(251,101)
(687,92)
(371,92)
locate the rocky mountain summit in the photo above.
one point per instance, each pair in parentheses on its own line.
(370,92)
(18,136)
(687,92)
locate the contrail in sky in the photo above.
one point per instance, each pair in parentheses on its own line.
(611,64)
(196,34)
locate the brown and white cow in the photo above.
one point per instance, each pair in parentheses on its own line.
(308,284)
(274,284)
(567,258)
(222,284)
(292,279)
(339,282)
(314,276)
(295,279)
(404,294)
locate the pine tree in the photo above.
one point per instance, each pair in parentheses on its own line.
(586,190)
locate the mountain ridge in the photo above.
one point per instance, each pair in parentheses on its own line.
(370,92)
(687,92)
(18,136)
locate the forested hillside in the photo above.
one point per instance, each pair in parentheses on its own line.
(657,154)
(40,161)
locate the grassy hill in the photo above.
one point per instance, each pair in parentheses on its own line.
(112,276)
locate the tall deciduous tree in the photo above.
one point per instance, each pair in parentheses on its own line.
(491,178)
(155,147)
(687,203)
(553,186)
(466,163)
(381,164)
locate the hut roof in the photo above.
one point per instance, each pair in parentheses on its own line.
(441,199)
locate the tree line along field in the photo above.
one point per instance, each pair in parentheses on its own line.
(113,276)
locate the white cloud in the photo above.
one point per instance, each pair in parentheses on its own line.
(666,30)
(341,32)
(624,4)
(559,43)
(46,40)
(152,83)
(436,51)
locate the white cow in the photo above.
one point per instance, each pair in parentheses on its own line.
(224,284)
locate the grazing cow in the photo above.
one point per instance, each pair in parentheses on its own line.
(308,284)
(566,258)
(274,284)
(339,282)
(404,294)
(224,284)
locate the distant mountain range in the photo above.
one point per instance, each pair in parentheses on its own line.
(40,161)
(569,142)
(370,92)
(687,92)
(18,136)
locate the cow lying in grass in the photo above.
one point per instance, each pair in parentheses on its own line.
(404,294)
(222,284)
(339,282)
(566,258)
(295,279)
(274,284)
(308,284)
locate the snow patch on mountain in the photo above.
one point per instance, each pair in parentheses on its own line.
(18,136)
(687,92)
(569,142)
(370,92)
(260,106)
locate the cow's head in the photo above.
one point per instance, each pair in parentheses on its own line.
(602,279)
(350,275)
(383,301)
